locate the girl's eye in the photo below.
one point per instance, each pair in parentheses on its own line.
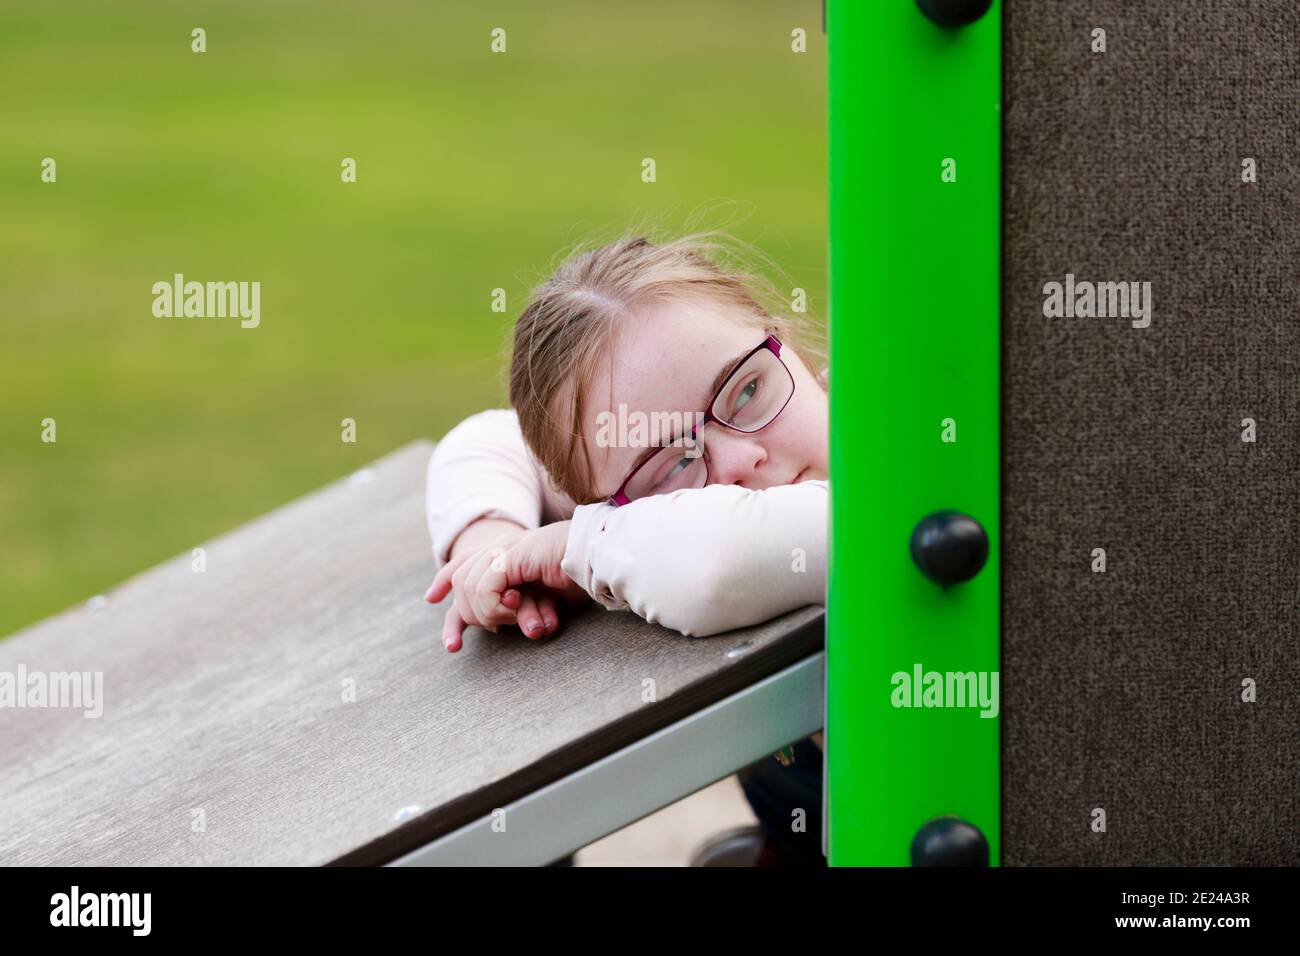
(674,471)
(743,397)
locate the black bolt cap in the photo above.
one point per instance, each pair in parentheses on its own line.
(954,13)
(949,841)
(949,547)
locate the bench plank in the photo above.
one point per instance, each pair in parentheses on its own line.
(224,692)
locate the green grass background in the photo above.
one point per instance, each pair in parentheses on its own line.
(474,170)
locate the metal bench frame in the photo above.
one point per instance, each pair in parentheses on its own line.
(643,777)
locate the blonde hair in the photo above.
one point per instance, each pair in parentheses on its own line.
(567,328)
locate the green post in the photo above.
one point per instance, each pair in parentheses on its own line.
(914,398)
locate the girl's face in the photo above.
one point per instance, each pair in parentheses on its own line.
(667,362)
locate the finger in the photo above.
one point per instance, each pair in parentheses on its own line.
(493,584)
(453,626)
(530,617)
(470,608)
(469,616)
(488,621)
(512,598)
(489,589)
(549,611)
(439,588)
(442,580)
(485,609)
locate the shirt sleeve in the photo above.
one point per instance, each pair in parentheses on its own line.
(482,468)
(704,560)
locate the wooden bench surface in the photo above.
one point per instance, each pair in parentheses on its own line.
(226,737)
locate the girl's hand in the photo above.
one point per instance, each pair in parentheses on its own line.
(461,573)
(474,574)
(533,562)
(534,556)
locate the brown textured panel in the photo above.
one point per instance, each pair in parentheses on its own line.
(1122,690)
(224,692)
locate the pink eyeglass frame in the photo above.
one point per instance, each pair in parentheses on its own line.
(772,344)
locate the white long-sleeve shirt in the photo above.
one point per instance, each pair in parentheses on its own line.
(700,561)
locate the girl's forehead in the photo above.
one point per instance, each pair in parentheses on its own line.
(670,352)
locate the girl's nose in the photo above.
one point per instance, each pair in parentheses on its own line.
(733,457)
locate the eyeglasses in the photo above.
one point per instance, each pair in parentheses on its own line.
(749,400)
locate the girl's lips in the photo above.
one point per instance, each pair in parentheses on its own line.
(799,477)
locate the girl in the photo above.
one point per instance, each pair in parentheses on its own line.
(555,502)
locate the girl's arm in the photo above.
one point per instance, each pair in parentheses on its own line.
(483,469)
(707,559)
